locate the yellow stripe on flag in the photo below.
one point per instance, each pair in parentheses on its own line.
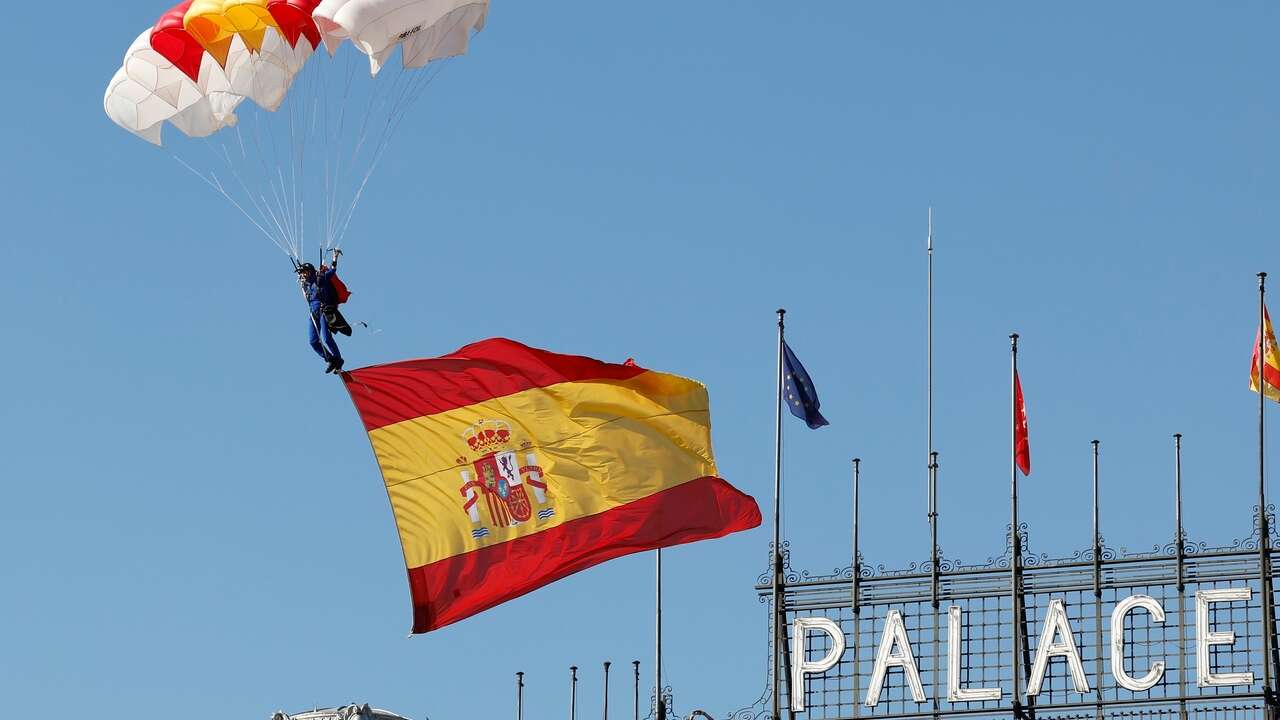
(596,445)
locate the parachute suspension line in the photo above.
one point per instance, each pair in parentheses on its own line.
(400,99)
(291,222)
(375,103)
(352,66)
(289,201)
(278,213)
(262,210)
(260,203)
(217,187)
(213,182)
(292,193)
(240,139)
(268,180)
(297,168)
(384,96)
(400,107)
(343,219)
(326,136)
(322,106)
(298,154)
(280,194)
(332,197)
(306,139)
(395,118)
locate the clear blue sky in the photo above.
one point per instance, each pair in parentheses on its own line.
(193,518)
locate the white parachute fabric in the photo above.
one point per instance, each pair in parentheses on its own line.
(446,38)
(134,108)
(194,104)
(266,75)
(149,90)
(425,30)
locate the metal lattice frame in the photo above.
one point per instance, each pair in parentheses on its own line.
(982,591)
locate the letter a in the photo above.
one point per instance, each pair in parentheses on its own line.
(1055,624)
(895,635)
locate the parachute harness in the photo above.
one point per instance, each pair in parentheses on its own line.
(302,286)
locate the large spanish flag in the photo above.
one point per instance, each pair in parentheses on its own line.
(510,467)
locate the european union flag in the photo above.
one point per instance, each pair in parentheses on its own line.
(798,391)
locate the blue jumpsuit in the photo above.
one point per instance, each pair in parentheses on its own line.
(320,292)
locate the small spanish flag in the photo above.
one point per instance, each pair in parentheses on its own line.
(510,467)
(1271,367)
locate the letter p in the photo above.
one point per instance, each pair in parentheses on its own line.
(800,667)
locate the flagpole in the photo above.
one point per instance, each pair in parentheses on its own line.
(932,465)
(933,571)
(606,689)
(1264,530)
(660,710)
(856,581)
(1014,540)
(1097,584)
(932,469)
(520,696)
(1180,549)
(573,692)
(933,484)
(776,619)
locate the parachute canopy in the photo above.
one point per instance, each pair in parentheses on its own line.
(229,50)
(425,30)
(199,62)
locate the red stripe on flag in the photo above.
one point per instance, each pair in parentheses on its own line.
(455,588)
(392,393)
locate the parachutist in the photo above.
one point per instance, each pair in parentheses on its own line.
(324,292)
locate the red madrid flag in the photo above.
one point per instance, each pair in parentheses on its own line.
(1022,445)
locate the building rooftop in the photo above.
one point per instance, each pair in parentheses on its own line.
(346,712)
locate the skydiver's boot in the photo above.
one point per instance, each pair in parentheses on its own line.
(337,366)
(332,366)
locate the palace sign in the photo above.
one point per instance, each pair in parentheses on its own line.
(1162,633)
(1057,641)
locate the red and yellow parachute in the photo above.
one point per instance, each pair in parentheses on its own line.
(202,59)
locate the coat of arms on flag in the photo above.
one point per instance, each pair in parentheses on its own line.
(498,476)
